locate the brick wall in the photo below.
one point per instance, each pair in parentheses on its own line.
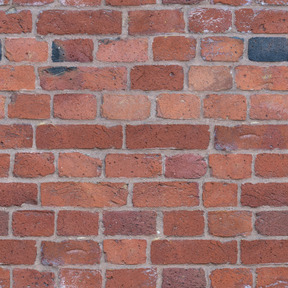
(143,144)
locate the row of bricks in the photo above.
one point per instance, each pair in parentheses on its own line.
(162,252)
(180,223)
(187,166)
(168,48)
(170,277)
(178,136)
(145,195)
(138,107)
(145,22)
(145,77)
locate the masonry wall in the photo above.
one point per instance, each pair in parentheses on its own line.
(143,144)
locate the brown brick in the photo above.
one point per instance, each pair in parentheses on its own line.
(125,252)
(130,223)
(29,106)
(157,77)
(178,106)
(166,194)
(15,23)
(183,223)
(61,22)
(4,165)
(32,165)
(165,252)
(75,106)
(271,276)
(78,136)
(76,223)
(4,219)
(133,165)
(89,195)
(122,50)
(125,107)
(33,223)
(76,164)
(167,136)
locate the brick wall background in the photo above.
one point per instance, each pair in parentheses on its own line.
(143,144)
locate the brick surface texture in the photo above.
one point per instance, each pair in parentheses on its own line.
(143,143)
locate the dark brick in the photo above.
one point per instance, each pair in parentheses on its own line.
(268,49)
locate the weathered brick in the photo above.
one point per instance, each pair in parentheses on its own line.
(167,136)
(32,3)
(2,105)
(166,194)
(5,278)
(133,165)
(130,223)
(80,3)
(233,2)
(70,252)
(78,194)
(4,219)
(129,2)
(61,22)
(269,277)
(165,252)
(4,165)
(33,223)
(75,106)
(15,23)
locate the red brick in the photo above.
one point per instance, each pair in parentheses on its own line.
(80,278)
(33,223)
(231,166)
(272,223)
(89,195)
(4,278)
(171,48)
(74,50)
(16,22)
(129,2)
(183,223)
(125,252)
(4,219)
(32,165)
(227,49)
(230,223)
(225,106)
(133,165)
(258,78)
(269,106)
(126,278)
(167,136)
(151,22)
(75,106)
(4,165)
(14,78)
(236,278)
(125,107)
(264,251)
(78,136)
(271,165)
(81,78)
(264,194)
(251,137)
(123,50)
(261,21)
(26,49)
(272,277)
(166,194)
(130,223)
(70,252)
(32,2)
(29,106)
(61,22)
(80,3)
(210,78)
(184,278)
(233,2)
(32,278)
(185,166)
(2,106)
(76,223)
(76,164)
(16,194)
(178,106)
(165,252)
(217,194)
(157,77)
(204,20)
(17,252)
